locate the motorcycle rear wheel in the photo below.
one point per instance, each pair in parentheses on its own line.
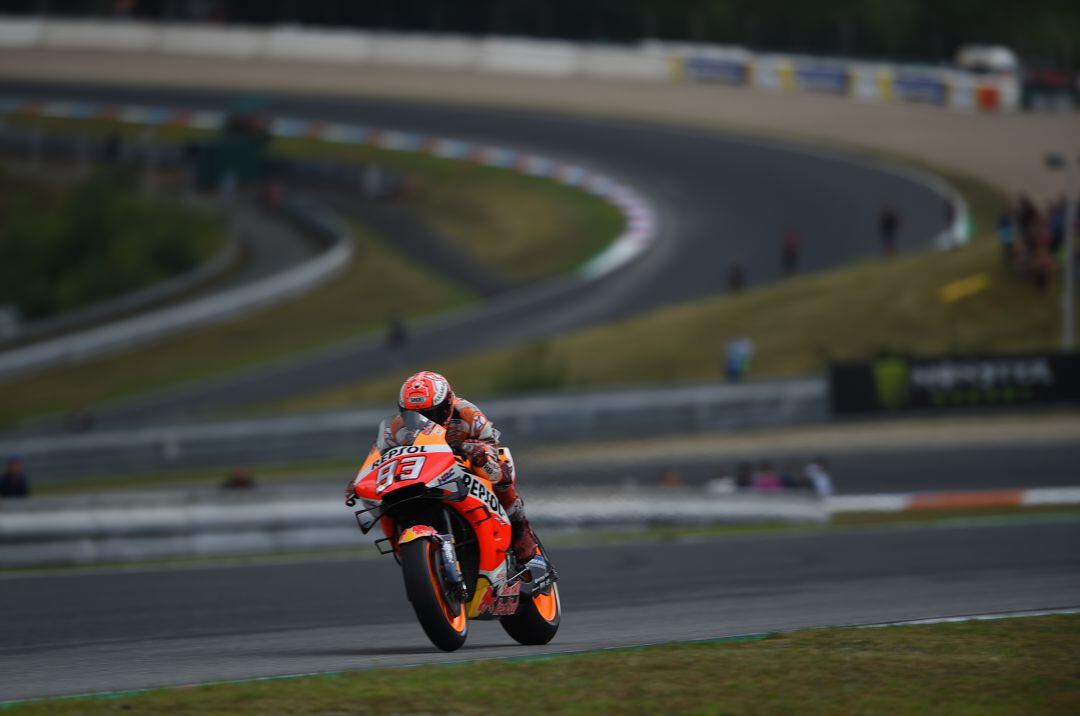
(537,619)
(442,617)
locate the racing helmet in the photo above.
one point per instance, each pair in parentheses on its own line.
(429,394)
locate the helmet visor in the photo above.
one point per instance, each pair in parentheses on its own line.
(437,414)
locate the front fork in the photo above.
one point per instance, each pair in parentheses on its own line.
(451,565)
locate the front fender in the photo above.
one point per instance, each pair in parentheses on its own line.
(418,532)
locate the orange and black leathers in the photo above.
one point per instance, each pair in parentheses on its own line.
(472,436)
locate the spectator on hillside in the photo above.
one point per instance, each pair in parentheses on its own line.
(736,276)
(1026,217)
(817,472)
(888,226)
(737,359)
(396,334)
(79,420)
(790,248)
(1055,213)
(1006,232)
(13,481)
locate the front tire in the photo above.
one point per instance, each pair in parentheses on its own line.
(537,618)
(441,615)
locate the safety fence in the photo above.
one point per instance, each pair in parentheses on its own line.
(345,435)
(159,525)
(648,61)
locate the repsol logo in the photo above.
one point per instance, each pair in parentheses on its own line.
(481,492)
(398,452)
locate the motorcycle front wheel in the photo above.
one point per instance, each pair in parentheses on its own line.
(441,615)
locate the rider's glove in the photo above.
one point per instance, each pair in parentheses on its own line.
(476,451)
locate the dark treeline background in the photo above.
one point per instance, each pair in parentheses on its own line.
(1045,32)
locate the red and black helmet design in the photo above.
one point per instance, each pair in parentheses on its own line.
(429,394)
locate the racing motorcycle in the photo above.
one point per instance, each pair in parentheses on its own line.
(445,527)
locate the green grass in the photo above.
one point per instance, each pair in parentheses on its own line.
(1015,666)
(66,245)
(351,305)
(798,326)
(521,227)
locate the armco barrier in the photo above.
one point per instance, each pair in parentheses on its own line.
(637,235)
(122,527)
(345,435)
(72,531)
(650,60)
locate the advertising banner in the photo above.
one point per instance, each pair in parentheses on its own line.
(716,69)
(897,384)
(817,77)
(920,87)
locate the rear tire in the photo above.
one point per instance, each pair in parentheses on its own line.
(441,616)
(537,619)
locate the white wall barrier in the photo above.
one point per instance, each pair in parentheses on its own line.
(646,61)
(298,43)
(94,35)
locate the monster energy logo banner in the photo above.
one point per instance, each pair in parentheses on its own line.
(897,383)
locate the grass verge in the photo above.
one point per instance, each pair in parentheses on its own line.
(1008,666)
(798,326)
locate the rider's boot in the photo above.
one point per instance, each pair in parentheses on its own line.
(522,538)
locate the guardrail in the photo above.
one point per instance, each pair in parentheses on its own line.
(138,526)
(193,525)
(648,61)
(346,435)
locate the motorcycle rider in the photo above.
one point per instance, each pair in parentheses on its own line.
(471,436)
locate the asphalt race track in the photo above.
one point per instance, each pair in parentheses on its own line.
(718,199)
(93,631)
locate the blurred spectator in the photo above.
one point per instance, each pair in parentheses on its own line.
(736,277)
(671,479)
(1026,216)
(79,420)
(1056,217)
(239,479)
(113,148)
(766,479)
(13,481)
(722,484)
(817,473)
(1007,238)
(888,226)
(790,476)
(396,334)
(744,476)
(790,248)
(737,360)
